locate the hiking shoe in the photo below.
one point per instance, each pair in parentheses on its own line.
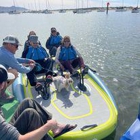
(49,79)
(38,87)
(51,73)
(75,74)
(5,98)
(44,95)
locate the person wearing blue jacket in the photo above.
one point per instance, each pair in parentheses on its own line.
(39,55)
(12,64)
(27,42)
(53,42)
(68,57)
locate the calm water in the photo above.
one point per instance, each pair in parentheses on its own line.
(109,43)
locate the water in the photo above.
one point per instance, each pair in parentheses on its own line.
(109,43)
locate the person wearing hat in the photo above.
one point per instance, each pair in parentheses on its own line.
(5,76)
(30,121)
(68,57)
(37,53)
(7,58)
(27,42)
(53,42)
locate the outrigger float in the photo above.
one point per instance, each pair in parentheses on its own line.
(89,104)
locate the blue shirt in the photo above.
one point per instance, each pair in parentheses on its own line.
(8,60)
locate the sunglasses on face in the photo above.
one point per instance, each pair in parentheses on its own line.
(66,41)
(15,45)
(35,43)
(53,31)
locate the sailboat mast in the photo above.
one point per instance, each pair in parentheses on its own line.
(102,3)
(137,3)
(62,4)
(122,3)
(35,5)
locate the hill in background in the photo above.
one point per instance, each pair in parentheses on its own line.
(12,8)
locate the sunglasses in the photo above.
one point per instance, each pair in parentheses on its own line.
(15,45)
(66,41)
(35,43)
(53,31)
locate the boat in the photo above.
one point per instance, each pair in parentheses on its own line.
(14,11)
(89,104)
(121,9)
(62,10)
(101,9)
(47,11)
(81,10)
(133,133)
(135,10)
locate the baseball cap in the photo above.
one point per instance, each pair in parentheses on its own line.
(33,38)
(53,29)
(5,75)
(11,39)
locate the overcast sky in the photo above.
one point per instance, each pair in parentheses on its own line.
(57,4)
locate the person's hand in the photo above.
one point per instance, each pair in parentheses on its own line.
(32,65)
(52,123)
(31,61)
(62,67)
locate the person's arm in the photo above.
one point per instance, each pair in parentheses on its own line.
(57,55)
(57,58)
(24,53)
(39,133)
(48,43)
(14,63)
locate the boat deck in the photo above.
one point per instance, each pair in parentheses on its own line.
(75,106)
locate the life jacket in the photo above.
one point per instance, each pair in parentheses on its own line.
(67,53)
(55,40)
(38,53)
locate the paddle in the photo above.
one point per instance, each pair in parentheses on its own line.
(90,69)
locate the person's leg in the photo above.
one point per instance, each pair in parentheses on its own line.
(67,65)
(30,103)
(32,78)
(78,62)
(48,64)
(28,121)
(53,51)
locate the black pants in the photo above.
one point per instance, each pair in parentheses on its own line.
(52,51)
(48,65)
(30,116)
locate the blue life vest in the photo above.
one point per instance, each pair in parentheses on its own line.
(38,53)
(55,40)
(67,53)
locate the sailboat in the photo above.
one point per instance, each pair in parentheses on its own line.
(14,11)
(121,9)
(102,9)
(136,9)
(62,10)
(79,10)
(47,5)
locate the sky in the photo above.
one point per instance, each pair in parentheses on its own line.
(66,4)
